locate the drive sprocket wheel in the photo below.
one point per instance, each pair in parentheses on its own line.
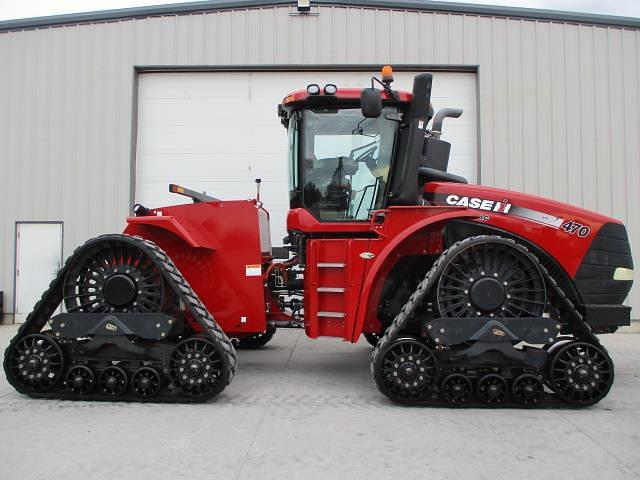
(79,380)
(581,373)
(456,389)
(527,389)
(35,363)
(406,371)
(196,367)
(113,381)
(491,277)
(146,382)
(492,389)
(113,276)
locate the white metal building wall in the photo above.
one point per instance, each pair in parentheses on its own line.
(558,102)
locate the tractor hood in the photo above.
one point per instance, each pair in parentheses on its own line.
(528,207)
(564,231)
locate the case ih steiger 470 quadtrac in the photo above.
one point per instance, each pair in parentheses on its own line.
(471,295)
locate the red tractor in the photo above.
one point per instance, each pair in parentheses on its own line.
(470,295)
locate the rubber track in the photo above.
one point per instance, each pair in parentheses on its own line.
(53,296)
(580,329)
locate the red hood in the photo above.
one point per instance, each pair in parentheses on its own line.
(564,231)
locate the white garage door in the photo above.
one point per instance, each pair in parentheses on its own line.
(218,132)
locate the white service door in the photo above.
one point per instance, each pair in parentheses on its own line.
(38,259)
(219,131)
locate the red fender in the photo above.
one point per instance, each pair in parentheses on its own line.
(216,246)
(435,217)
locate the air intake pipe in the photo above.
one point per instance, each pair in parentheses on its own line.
(436,126)
(436,151)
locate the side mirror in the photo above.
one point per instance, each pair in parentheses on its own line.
(371,103)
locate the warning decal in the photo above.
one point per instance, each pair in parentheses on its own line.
(253,270)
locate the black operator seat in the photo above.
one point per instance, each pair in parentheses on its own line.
(427,175)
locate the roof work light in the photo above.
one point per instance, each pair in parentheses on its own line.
(313,89)
(330,89)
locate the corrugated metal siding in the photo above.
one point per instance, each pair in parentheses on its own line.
(558,109)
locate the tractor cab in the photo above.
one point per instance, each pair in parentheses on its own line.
(354,151)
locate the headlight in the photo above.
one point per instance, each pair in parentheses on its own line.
(622,273)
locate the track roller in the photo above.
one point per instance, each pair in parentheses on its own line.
(456,389)
(581,373)
(527,389)
(406,371)
(113,381)
(492,389)
(79,380)
(35,363)
(146,382)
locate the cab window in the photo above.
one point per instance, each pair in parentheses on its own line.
(345,162)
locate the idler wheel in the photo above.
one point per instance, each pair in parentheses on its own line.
(527,389)
(406,371)
(196,366)
(35,363)
(113,381)
(581,373)
(79,380)
(146,382)
(492,389)
(456,389)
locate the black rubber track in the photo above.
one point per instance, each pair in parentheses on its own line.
(53,296)
(580,330)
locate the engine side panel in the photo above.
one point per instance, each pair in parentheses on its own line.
(227,277)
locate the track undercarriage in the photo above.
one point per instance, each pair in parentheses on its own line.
(134,331)
(532,349)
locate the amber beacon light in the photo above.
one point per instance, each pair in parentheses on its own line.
(387,74)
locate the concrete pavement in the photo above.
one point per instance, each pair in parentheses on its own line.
(302,409)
